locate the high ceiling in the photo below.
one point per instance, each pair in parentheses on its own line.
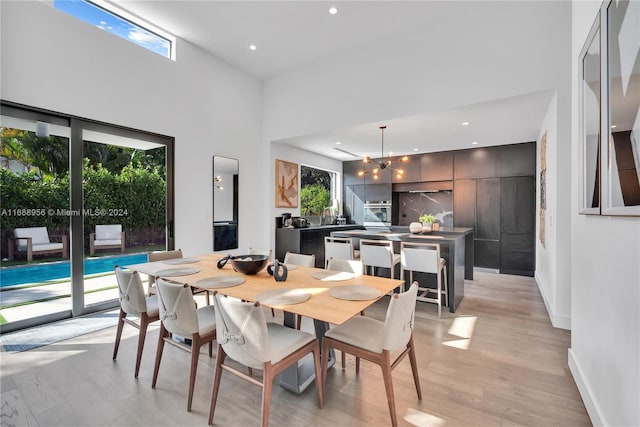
(293,34)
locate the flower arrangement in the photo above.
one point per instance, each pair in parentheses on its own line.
(427,218)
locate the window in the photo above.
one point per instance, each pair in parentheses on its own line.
(318,195)
(120,23)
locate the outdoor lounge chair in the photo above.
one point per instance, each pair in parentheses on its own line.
(108,236)
(35,240)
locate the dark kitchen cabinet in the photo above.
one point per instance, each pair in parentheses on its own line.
(350,173)
(308,241)
(488,209)
(476,163)
(377,192)
(410,168)
(354,203)
(464,203)
(437,166)
(517,208)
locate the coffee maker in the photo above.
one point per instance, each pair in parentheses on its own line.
(287,221)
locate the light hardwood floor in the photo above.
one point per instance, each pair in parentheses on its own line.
(496,361)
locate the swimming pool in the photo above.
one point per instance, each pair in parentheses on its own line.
(12,276)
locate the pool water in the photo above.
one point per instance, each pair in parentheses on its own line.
(12,276)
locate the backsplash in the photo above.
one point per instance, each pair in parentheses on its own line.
(412,205)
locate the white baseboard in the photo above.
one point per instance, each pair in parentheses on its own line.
(558,321)
(585,391)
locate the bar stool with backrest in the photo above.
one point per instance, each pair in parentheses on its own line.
(179,316)
(376,341)
(425,258)
(338,247)
(378,253)
(134,302)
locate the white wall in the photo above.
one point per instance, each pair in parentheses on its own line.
(291,154)
(54,61)
(605,287)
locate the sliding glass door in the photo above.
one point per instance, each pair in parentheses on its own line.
(124,198)
(78,198)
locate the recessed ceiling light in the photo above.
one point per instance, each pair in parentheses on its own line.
(333,10)
(613,126)
(415,149)
(338,143)
(474,143)
(252,47)
(465,123)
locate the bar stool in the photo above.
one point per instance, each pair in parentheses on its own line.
(378,253)
(339,248)
(425,257)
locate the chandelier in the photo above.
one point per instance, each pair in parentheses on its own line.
(383,163)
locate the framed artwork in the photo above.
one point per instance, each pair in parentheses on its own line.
(620,153)
(286,184)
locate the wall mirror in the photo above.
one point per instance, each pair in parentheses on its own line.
(589,122)
(621,116)
(225,203)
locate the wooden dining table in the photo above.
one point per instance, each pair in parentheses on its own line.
(321,306)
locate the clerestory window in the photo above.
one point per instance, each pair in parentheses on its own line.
(116,21)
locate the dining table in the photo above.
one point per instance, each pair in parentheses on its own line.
(324,296)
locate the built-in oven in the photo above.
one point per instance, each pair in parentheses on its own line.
(377,214)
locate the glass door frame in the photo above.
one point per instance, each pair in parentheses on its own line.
(76,239)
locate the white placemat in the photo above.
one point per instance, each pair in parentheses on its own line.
(283,296)
(354,292)
(179,261)
(177,271)
(219,282)
(333,276)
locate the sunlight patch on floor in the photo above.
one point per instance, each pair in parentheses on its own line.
(423,419)
(462,327)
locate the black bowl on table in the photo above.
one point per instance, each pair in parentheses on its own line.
(246,264)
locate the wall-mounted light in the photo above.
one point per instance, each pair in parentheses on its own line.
(42,129)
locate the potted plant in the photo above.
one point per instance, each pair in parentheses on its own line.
(427,221)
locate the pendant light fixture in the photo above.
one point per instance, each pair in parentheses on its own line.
(383,163)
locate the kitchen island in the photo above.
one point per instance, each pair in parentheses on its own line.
(452,248)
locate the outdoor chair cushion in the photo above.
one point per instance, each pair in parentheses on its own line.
(39,238)
(108,234)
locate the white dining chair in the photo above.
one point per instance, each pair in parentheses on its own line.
(354,266)
(245,337)
(179,316)
(134,302)
(160,256)
(425,258)
(258,251)
(378,253)
(338,247)
(376,341)
(301,260)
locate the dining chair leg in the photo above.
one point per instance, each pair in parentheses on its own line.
(439,281)
(388,386)
(344,362)
(325,362)
(446,286)
(119,332)
(163,333)
(318,370)
(195,354)
(220,356)
(357,364)
(267,384)
(414,367)
(144,323)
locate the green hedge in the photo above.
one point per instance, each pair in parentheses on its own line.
(135,198)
